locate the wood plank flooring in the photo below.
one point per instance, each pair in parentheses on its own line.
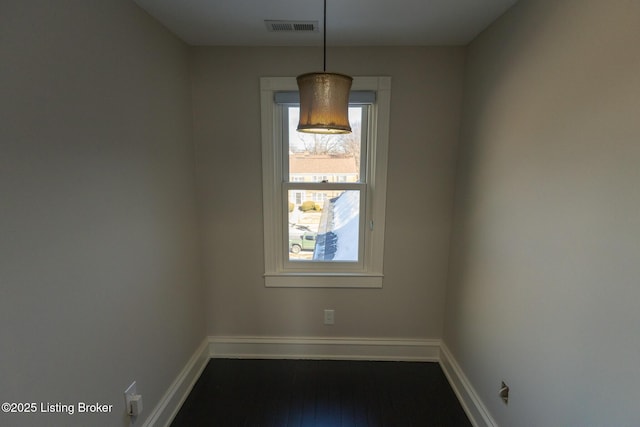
(321,393)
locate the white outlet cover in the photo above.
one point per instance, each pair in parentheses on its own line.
(329,317)
(131,391)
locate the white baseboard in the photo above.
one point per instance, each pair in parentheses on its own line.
(324,348)
(476,410)
(166,410)
(419,350)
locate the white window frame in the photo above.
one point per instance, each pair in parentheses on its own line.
(369,274)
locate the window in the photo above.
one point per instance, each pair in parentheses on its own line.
(324,195)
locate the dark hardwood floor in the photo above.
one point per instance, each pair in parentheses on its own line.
(321,393)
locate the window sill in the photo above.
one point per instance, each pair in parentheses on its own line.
(323,280)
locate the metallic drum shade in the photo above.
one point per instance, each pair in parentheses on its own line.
(324,103)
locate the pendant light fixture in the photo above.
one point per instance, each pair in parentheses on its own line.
(324,98)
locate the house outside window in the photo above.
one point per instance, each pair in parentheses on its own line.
(324,195)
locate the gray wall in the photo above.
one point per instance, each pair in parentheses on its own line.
(99,261)
(425,107)
(99,276)
(544,288)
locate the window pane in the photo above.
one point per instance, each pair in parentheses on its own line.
(318,158)
(325,226)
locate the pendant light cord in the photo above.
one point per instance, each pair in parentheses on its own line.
(324,64)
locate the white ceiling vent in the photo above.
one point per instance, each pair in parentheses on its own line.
(292,26)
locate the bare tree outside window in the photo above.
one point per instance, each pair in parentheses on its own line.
(344,144)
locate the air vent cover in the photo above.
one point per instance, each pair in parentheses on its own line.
(292,26)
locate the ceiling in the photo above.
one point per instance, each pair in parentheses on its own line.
(349,22)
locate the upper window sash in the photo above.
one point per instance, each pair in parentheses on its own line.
(283,109)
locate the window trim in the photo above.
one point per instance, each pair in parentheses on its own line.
(371,274)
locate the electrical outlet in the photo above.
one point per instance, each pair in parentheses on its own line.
(329,317)
(504,393)
(132,400)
